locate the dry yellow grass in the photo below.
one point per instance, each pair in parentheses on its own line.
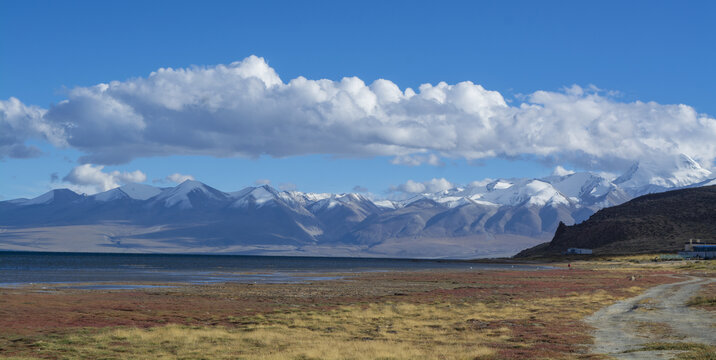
(642,262)
(375,331)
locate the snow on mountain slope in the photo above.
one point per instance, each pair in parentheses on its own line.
(526,191)
(306,198)
(266,196)
(499,185)
(589,189)
(688,172)
(182,195)
(52,196)
(476,199)
(453,201)
(451,198)
(576,189)
(342,210)
(258,196)
(387,204)
(541,193)
(262,196)
(42,199)
(131,191)
(576,185)
(300,199)
(679,171)
(140,191)
(110,195)
(511,192)
(256,218)
(336,200)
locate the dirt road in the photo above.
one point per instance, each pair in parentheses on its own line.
(658,315)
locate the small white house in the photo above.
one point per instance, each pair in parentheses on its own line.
(579,251)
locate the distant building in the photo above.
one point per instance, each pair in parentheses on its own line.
(579,251)
(698,250)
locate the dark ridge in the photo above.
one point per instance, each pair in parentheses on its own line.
(651,223)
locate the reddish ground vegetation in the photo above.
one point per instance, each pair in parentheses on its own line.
(30,313)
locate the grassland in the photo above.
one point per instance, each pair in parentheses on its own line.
(401,315)
(706,298)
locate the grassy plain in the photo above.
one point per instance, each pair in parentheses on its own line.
(473,314)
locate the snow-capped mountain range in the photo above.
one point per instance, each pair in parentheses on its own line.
(499,218)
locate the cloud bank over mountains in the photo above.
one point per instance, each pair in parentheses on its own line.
(246,109)
(91,179)
(430,186)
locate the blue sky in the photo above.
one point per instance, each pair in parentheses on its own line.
(648,51)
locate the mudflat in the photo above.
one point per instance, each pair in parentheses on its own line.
(427,314)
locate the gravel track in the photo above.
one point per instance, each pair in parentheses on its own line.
(658,315)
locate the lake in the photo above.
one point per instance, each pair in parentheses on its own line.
(24,268)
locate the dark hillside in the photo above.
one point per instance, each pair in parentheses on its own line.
(648,224)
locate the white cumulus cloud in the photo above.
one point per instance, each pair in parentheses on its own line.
(19,123)
(288,186)
(430,186)
(246,109)
(178,178)
(480,183)
(175,178)
(88,178)
(416,160)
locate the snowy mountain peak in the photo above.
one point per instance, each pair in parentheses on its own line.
(688,163)
(262,194)
(627,175)
(333,200)
(52,196)
(350,198)
(110,195)
(499,185)
(140,191)
(182,194)
(582,186)
(258,196)
(541,193)
(387,204)
(659,174)
(316,196)
(42,199)
(689,172)
(189,185)
(132,191)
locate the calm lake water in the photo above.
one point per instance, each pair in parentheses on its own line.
(23,268)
